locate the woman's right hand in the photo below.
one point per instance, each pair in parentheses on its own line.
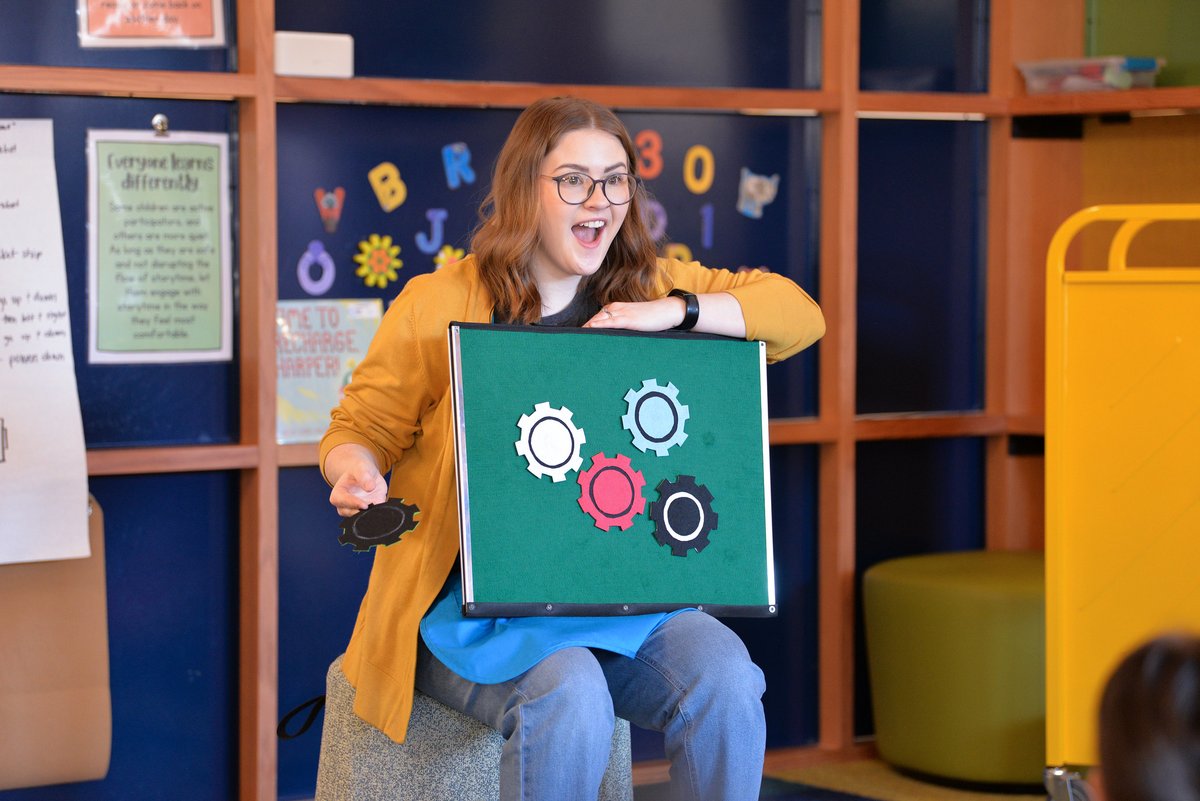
(357,482)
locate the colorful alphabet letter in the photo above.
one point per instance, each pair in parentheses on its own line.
(456,158)
(388,185)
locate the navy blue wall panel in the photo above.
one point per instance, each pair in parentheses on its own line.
(786,647)
(931,46)
(50,37)
(148,404)
(921,266)
(913,497)
(680,43)
(320,585)
(324,147)
(171,567)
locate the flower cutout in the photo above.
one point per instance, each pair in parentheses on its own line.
(447,255)
(377,260)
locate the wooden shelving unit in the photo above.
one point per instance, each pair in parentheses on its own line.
(1032,185)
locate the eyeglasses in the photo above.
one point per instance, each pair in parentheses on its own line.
(576,187)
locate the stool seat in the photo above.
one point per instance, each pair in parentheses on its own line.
(956,658)
(447,756)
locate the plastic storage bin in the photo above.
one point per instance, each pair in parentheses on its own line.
(1089,74)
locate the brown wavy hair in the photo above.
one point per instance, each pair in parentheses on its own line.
(507,233)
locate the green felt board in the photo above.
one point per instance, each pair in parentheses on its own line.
(528,541)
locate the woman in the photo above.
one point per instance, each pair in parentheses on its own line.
(1150,724)
(561,241)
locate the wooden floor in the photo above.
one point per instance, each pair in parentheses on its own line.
(777,762)
(874,779)
(857,771)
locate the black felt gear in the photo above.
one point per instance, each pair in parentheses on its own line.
(683,515)
(379,524)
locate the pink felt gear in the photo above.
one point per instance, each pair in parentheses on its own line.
(611,491)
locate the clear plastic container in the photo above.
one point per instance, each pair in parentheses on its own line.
(1090,74)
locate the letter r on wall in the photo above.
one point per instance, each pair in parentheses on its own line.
(456,158)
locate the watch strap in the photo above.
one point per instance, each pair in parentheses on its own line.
(691,309)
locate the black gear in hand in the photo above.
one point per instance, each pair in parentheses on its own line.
(379,524)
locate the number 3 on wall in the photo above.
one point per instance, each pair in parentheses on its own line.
(649,147)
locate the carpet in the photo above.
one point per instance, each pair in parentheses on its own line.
(874,779)
(772,790)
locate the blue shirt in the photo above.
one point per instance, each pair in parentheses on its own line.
(489,650)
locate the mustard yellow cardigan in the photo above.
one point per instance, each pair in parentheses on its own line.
(398,405)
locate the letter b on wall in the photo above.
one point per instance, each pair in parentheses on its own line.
(388,185)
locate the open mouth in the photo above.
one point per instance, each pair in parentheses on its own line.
(588,232)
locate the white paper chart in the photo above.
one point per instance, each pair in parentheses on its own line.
(43,461)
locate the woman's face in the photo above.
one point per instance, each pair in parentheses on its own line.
(572,240)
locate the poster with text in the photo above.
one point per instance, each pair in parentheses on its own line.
(318,343)
(159,248)
(43,462)
(151,23)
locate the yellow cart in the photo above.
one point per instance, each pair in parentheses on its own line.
(1122,467)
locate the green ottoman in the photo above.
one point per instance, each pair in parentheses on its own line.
(956,653)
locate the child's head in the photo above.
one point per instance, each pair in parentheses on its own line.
(1150,723)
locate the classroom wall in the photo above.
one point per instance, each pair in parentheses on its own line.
(706,223)
(172,538)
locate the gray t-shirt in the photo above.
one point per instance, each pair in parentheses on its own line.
(581,309)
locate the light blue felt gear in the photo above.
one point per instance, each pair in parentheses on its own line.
(655,417)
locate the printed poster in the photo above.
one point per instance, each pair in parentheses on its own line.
(318,343)
(151,23)
(43,461)
(160,285)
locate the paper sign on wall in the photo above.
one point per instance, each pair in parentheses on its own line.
(318,343)
(159,252)
(43,464)
(151,23)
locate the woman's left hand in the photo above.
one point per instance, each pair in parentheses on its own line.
(650,315)
(720,313)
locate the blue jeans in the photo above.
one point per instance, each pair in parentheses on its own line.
(692,680)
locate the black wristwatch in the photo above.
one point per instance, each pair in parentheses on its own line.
(691,311)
